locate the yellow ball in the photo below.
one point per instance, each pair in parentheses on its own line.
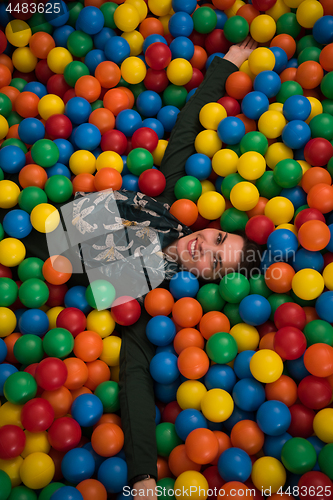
(246,69)
(9,193)
(323,425)
(328,276)
(18,33)
(277,152)
(52,314)
(234,8)
(246,336)
(208,143)
(276,106)
(140,6)
(308,284)
(45,218)
(158,153)
(37,470)
(266,366)
(251,165)
(50,105)
(271,124)
(211,114)
(293,4)
(165,23)
(133,70)
(305,167)
(12,252)
(211,205)
(10,414)
(206,186)
(309,12)
(12,468)
(316,108)
(135,40)
(101,322)
(110,159)
(160,7)
(126,17)
(268,474)
(263,28)
(179,71)
(278,10)
(290,227)
(261,59)
(224,162)
(111,350)
(244,196)
(114,373)
(82,162)
(24,60)
(35,441)
(192,484)
(279,209)
(7,321)
(217,405)
(190,394)
(4,127)
(58,58)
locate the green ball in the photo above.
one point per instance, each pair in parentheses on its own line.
(58,188)
(301,302)
(298,455)
(108,393)
(309,54)
(28,349)
(5,105)
(139,160)
(236,29)
(6,485)
(326,85)
(318,331)
(303,207)
(100,294)
(267,186)
(330,166)
(14,118)
(96,105)
(288,173)
(325,460)
(258,286)
(48,491)
(254,141)
(305,42)
(2,175)
(188,187)
(2,232)
(166,487)
(15,142)
(31,268)
(204,19)
(79,43)
(33,293)
(123,83)
(18,83)
(19,388)
(30,197)
(74,11)
(58,343)
(221,348)
(236,148)
(136,88)
(276,300)
(38,23)
(233,220)
(288,24)
(8,292)
(174,95)
(322,126)
(45,153)
(210,298)
(288,89)
(229,182)
(327,106)
(232,313)
(234,287)
(166,439)
(108,9)
(74,71)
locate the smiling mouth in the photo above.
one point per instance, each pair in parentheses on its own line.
(192,246)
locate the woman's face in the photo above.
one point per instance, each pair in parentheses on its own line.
(210,253)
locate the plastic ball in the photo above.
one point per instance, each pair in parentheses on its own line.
(244,196)
(12,441)
(254,309)
(318,360)
(234,464)
(37,470)
(308,284)
(268,474)
(251,165)
(261,59)
(113,474)
(236,29)
(20,387)
(165,328)
(266,366)
(37,415)
(271,124)
(314,392)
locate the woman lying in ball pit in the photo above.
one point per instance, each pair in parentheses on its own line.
(139,246)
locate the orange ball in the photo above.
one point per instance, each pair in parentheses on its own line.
(259,209)
(310,313)
(267,341)
(5,76)
(318,360)
(109,418)
(314,235)
(193,363)
(315,175)
(247,436)
(213,322)
(61,400)
(129,94)
(199,57)
(77,373)
(235,490)
(98,372)
(224,444)
(248,12)
(250,125)
(179,462)
(13,132)
(238,84)
(309,74)
(103,119)
(6,61)
(88,345)
(84,182)
(223,4)
(284,389)
(108,74)
(91,489)
(151,26)
(107,178)
(187,312)
(11,92)
(201,446)
(78,392)
(162,468)
(159,302)
(116,100)
(288,74)
(10,341)
(278,277)
(88,87)
(26,104)
(40,44)
(326,57)
(188,337)
(33,175)
(320,196)
(285,42)
(107,440)
(57,269)
(328,7)
(186,211)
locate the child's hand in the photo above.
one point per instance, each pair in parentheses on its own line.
(239,53)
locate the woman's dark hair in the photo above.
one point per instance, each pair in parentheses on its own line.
(251,256)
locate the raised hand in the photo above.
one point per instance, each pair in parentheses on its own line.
(239,53)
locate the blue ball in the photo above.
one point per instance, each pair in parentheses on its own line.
(198,165)
(67,493)
(234,464)
(273,418)
(166,348)
(299,155)
(296,195)
(78,110)
(220,377)
(305,259)
(117,49)
(90,20)
(221,19)
(65,150)
(157,415)
(292,63)
(149,103)
(3,350)
(182,47)
(187,6)
(211,58)
(273,445)
(77,465)
(59,169)
(102,37)
(237,415)
(168,116)
(181,24)
(218,184)
(187,421)
(98,459)
(87,409)
(183,284)
(248,394)
(154,124)
(5,371)
(329,247)
(282,243)
(324,306)
(130,182)
(296,369)
(163,368)
(267,82)
(296,107)
(255,104)
(87,136)
(153,39)
(191,92)
(296,134)
(128,121)
(231,130)
(36,88)
(34,321)
(93,59)
(16,224)
(60,35)
(75,297)
(166,392)
(242,364)
(323,30)
(255,310)
(58,15)
(113,474)
(5,16)
(12,159)
(160,330)
(281,59)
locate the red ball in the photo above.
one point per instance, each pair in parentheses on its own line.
(158,55)
(216,42)
(314,392)
(289,342)
(58,127)
(57,85)
(315,484)
(43,72)
(12,441)
(156,80)
(263,4)
(258,228)
(214,480)
(200,223)
(3,42)
(64,434)
(68,95)
(318,152)
(72,319)
(152,182)
(301,421)
(37,415)
(146,138)
(114,140)
(328,258)
(51,374)
(230,104)
(306,215)
(171,412)
(290,314)
(56,294)
(197,78)
(267,327)
(5,272)
(125,310)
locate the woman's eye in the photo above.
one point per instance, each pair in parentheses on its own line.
(219,238)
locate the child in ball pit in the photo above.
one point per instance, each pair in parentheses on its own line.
(148,231)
